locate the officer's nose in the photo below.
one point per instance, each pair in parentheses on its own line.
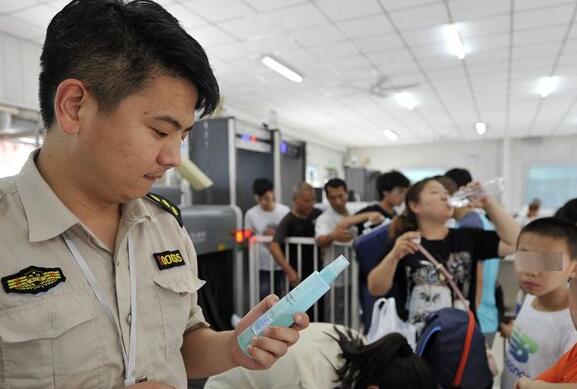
(170,154)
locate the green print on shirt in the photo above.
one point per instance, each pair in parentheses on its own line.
(522,346)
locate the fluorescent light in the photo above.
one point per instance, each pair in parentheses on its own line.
(547,85)
(481,128)
(281,69)
(454,42)
(392,135)
(406,100)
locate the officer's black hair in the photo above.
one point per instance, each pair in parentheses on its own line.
(387,363)
(114,47)
(554,228)
(390,180)
(461,176)
(262,185)
(335,183)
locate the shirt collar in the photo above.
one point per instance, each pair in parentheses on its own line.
(47,216)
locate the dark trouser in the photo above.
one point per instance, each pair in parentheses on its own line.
(265,286)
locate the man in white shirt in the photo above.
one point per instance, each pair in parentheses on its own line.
(337,225)
(263,219)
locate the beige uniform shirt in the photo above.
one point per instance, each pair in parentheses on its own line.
(53,331)
(308,364)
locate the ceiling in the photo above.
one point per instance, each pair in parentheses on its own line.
(342,47)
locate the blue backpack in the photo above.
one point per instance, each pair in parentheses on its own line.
(454,347)
(370,249)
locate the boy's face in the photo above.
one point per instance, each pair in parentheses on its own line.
(396,196)
(266,201)
(544,282)
(337,198)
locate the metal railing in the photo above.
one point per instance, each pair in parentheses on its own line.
(349,278)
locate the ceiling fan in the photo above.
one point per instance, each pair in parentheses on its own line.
(382,87)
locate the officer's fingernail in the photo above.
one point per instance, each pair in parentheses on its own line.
(254,340)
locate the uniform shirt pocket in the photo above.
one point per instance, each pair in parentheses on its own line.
(177,295)
(50,343)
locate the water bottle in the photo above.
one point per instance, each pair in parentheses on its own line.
(463,196)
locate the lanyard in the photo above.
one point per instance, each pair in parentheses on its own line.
(130,358)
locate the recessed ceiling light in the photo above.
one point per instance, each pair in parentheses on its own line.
(481,128)
(406,100)
(454,42)
(281,69)
(392,135)
(546,85)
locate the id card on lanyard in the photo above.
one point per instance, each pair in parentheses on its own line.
(129,357)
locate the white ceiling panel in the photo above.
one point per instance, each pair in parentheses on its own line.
(338,10)
(427,15)
(363,27)
(318,35)
(378,42)
(216,11)
(344,47)
(296,17)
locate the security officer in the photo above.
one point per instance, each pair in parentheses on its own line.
(99,281)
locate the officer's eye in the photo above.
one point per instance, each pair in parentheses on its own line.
(159,133)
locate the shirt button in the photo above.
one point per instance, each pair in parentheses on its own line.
(182,294)
(129,318)
(141,379)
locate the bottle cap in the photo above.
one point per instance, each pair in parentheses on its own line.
(336,267)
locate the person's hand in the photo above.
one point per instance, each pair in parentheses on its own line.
(480,199)
(267,348)
(293,277)
(342,234)
(150,385)
(506,329)
(268,231)
(526,383)
(406,244)
(376,218)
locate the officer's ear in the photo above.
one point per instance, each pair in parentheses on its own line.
(70,96)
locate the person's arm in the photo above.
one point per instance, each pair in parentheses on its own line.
(506,227)
(206,352)
(349,221)
(275,249)
(380,279)
(526,383)
(339,234)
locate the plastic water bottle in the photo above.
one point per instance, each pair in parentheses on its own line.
(463,197)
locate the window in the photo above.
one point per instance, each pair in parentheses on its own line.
(552,184)
(13,155)
(418,174)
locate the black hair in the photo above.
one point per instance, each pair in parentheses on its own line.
(554,228)
(335,183)
(387,363)
(390,180)
(568,211)
(114,47)
(262,185)
(407,221)
(461,176)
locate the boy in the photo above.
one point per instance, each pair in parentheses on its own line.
(263,219)
(543,330)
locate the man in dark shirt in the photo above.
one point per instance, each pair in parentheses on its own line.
(391,187)
(300,221)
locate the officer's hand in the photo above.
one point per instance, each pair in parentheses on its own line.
(266,349)
(150,385)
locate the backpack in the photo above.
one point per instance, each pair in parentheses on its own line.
(452,343)
(454,347)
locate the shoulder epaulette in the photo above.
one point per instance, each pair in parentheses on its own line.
(165,204)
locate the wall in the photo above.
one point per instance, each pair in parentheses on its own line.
(485,159)
(19,70)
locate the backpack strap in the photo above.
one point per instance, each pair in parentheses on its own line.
(466,350)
